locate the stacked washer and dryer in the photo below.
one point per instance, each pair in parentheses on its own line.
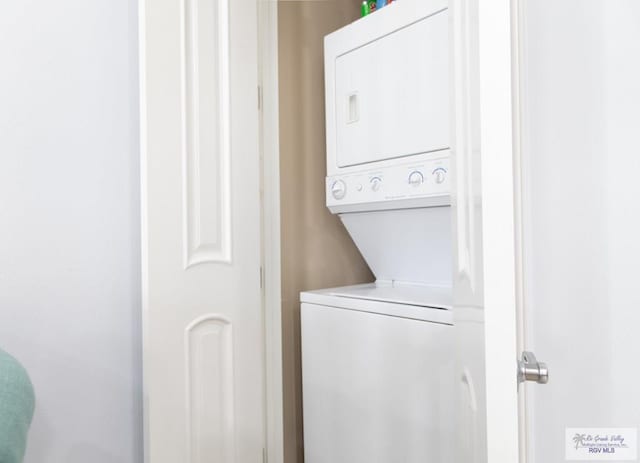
(377,359)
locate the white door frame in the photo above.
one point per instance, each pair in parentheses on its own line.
(499,141)
(272,289)
(498,129)
(517,23)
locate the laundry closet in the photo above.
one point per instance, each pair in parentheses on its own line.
(366,214)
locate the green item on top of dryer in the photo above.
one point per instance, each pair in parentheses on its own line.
(364,8)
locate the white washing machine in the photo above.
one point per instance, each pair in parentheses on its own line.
(377,375)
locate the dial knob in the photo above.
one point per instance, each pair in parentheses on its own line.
(439,175)
(338,189)
(376,183)
(416,178)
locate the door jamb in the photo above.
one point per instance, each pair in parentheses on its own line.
(268,101)
(517,51)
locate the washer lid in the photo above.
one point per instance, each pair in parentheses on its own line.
(406,301)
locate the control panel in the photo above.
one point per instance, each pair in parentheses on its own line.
(401,182)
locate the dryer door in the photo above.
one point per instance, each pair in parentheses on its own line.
(392,94)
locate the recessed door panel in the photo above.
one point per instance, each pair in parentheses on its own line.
(202,313)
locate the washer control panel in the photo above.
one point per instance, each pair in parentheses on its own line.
(400,182)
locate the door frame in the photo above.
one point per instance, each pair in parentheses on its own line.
(499,131)
(268,100)
(499,127)
(517,73)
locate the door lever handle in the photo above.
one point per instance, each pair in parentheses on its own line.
(529,369)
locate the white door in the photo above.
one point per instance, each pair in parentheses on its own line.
(484,233)
(203,324)
(581,226)
(547,224)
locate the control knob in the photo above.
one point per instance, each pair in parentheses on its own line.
(376,183)
(439,175)
(416,178)
(338,189)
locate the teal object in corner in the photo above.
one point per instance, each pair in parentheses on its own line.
(17,401)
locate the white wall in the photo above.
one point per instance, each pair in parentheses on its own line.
(69,223)
(622,42)
(582,149)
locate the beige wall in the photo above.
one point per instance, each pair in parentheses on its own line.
(317,252)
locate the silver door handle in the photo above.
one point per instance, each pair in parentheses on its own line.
(529,369)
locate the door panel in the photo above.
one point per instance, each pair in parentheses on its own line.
(203,337)
(483,209)
(467,238)
(580,218)
(576,223)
